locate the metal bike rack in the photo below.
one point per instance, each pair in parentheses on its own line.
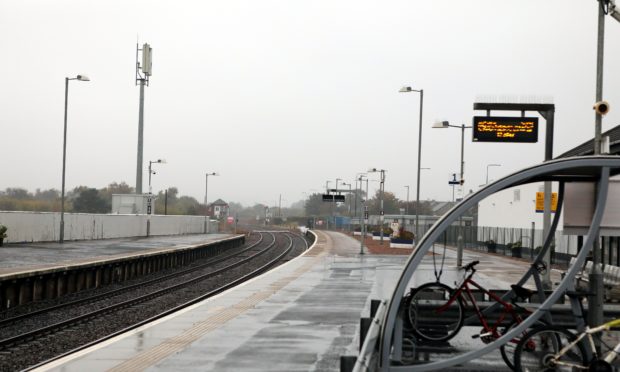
(577,169)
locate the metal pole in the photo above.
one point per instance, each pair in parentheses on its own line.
(280,206)
(206,200)
(363,218)
(206,189)
(407,205)
(600,48)
(366,189)
(549,117)
(149,203)
(327,192)
(487,180)
(64,159)
(595,303)
(417,199)
(349,199)
(140,137)
(356,192)
(381,213)
(459,252)
(334,205)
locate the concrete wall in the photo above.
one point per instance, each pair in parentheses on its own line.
(45,226)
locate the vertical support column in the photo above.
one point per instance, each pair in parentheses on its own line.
(140,142)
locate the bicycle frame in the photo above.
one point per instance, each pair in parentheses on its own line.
(464,287)
(611,355)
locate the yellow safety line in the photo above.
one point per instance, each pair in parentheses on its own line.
(177,343)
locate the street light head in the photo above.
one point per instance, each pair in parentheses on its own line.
(82,78)
(371,170)
(405,90)
(161,161)
(441,124)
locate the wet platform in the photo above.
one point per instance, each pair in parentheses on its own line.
(24,257)
(301,316)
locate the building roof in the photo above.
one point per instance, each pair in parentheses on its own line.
(587,148)
(219,202)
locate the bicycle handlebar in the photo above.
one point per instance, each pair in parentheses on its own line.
(470,266)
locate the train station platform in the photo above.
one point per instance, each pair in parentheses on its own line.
(301,316)
(38,256)
(38,271)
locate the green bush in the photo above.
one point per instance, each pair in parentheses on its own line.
(406,235)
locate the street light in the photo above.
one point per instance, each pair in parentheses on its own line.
(334,205)
(490,165)
(407,205)
(206,196)
(149,200)
(151,171)
(64,156)
(417,200)
(381,188)
(358,178)
(348,184)
(446,124)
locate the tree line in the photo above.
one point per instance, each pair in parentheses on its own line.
(84,199)
(315,206)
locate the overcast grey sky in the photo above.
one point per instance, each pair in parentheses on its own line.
(280,96)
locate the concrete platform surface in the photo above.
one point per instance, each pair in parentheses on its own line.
(36,256)
(300,317)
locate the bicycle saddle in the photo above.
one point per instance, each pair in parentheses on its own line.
(522,292)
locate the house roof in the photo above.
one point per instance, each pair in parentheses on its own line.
(219,202)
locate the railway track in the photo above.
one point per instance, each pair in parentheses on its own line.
(31,338)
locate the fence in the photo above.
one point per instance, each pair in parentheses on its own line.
(513,242)
(45,226)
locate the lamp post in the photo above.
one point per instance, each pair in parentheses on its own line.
(149,200)
(490,165)
(348,184)
(417,199)
(206,196)
(64,157)
(381,188)
(407,205)
(334,205)
(358,177)
(446,124)
(151,171)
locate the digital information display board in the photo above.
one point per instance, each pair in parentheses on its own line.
(505,129)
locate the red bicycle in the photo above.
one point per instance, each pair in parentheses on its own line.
(437,312)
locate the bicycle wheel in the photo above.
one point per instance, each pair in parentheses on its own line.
(539,350)
(508,349)
(430,315)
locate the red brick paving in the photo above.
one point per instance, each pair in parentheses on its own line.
(375,247)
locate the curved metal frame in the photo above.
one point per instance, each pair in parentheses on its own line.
(552,170)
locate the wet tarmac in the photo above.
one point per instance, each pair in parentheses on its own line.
(300,317)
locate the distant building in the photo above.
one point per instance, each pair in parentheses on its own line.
(218,208)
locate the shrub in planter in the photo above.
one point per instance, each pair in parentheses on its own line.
(407,235)
(491,246)
(386,231)
(515,249)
